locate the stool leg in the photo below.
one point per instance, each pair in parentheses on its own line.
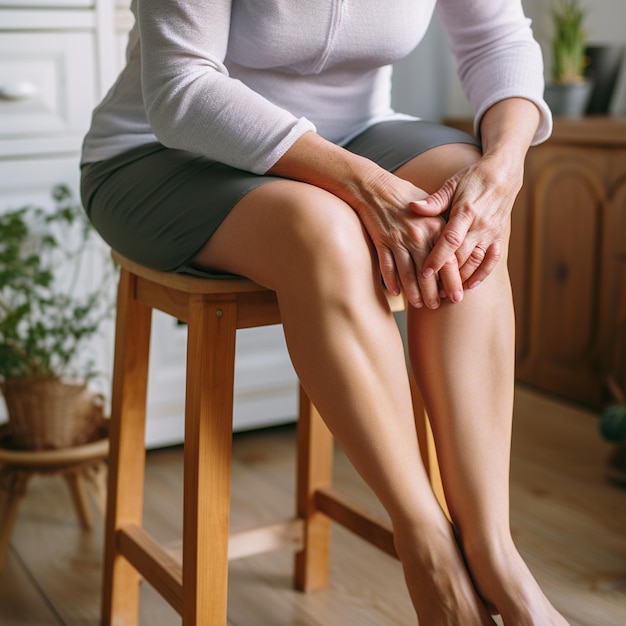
(427,444)
(120,597)
(314,470)
(207,459)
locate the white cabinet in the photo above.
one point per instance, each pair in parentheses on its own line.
(57,58)
(265,383)
(46,91)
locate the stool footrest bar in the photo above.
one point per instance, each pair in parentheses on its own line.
(287,533)
(154,563)
(355,518)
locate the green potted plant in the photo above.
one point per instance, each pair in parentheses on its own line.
(47,317)
(569,91)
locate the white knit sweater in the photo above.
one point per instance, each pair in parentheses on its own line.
(240,80)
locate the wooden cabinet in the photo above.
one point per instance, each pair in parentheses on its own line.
(568,261)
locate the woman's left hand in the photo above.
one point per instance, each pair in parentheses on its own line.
(477,203)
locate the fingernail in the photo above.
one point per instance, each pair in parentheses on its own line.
(474,284)
(457,296)
(428,272)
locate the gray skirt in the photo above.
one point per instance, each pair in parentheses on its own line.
(158,206)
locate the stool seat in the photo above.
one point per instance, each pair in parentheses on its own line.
(197,588)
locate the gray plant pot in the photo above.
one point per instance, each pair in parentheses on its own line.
(568,100)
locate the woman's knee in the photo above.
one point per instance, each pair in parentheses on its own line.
(289,229)
(326,238)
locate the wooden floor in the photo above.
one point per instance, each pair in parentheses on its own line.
(569,523)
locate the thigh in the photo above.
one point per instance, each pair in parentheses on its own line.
(159,206)
(162,207)
(288,230)
(429,170)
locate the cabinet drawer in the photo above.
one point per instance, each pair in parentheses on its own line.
(31,181)
(52,4)
(47,90)
(620,230)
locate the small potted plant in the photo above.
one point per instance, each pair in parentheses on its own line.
(569,91)
(47,317)
(613,429)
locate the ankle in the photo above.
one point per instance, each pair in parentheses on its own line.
(422,540)
(495,546)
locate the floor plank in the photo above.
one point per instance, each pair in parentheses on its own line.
(567,520)
(19,591)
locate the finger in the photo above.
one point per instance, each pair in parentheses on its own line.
(451,281)
(408,276)
(387,268)
(429,287)
(486,267)
(436,203)
(448,243)
(470,260)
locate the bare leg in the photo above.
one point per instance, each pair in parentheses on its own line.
(309,247)
(463,358)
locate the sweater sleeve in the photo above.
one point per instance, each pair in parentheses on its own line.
(191,101)
(496,55)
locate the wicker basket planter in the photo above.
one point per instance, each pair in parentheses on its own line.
(49,413)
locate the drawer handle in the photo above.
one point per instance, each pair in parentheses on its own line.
(18,91)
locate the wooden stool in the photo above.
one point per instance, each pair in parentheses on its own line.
(197,588)
(75,464)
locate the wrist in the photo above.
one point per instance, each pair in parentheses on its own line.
(507,130)
(319,162)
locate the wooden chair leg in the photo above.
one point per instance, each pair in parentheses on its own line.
(12,491)
(427,445)
(207,459)
(96,483)
(120,597)
(76,485)
(314,470)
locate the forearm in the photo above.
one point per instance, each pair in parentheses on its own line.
(480,197)
(507,130)
(352,178)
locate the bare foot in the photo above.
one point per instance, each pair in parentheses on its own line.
(506,584)
(439,584)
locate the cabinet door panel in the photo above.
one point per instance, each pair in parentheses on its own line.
(617,360)
(614,332)
(31,181)
(568,260)
(568,215)
(47,3)
(47,89)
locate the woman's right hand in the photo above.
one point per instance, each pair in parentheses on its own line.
(403,242)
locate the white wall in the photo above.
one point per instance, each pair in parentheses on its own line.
(425,83)
(606,24)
